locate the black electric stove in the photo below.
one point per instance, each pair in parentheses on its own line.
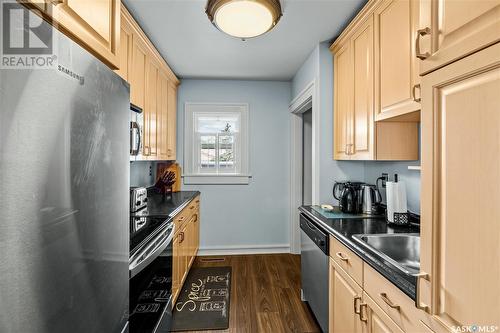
(143,228)
(150,268)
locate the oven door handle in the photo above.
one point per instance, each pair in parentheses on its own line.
(155,247)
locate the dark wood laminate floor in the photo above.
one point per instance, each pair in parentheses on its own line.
(265,294)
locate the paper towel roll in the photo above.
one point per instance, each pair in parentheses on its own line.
(396,199)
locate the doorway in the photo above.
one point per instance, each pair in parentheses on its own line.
(307,146)
(304,156)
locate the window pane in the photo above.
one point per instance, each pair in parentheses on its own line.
(217,123)
(226,153)
(207,152)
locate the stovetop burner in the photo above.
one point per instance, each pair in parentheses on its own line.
(143,228)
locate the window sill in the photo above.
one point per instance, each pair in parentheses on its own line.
(216,179)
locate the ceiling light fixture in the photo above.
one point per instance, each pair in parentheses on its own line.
(244,18)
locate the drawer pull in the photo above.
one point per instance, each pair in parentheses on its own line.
(356,299)
(192,207)
(341,256)
(361,312)
(388,301)
(181,235)
(181,218)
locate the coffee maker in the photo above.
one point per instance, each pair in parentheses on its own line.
(349,196)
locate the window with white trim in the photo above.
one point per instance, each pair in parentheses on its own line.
(216,144)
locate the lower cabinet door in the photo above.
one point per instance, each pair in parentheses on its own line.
(176,267)
(344,302)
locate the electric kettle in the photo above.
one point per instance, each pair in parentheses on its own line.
(370,199)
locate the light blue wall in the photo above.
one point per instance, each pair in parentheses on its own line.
(319,67)
(254,215)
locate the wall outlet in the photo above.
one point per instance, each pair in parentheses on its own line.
(385,178)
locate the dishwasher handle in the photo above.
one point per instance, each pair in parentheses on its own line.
(315,233)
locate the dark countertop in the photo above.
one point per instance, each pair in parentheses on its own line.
(161,210)
(343,229)
(160,205)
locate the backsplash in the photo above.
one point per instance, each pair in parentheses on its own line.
(373,170)
(140,174)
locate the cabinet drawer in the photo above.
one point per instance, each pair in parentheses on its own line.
(400,308)
(347,260)
(378,320)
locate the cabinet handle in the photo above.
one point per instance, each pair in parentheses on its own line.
(418,304)
(361,312)
(147,150)
(192,207)
(341,256)
(197,201)
(421,33)
(181,235)
(414,93)
(356,299)
(182,218)
(388,301)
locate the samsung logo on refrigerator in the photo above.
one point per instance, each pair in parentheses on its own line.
(71,74)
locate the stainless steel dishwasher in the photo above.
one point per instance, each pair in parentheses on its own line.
(314,269)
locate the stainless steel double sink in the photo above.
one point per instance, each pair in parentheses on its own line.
(401,250)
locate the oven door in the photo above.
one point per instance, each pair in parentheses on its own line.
(151,285)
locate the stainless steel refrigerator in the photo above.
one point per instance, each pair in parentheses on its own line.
(64,196)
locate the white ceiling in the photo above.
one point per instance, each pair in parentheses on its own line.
(194,48)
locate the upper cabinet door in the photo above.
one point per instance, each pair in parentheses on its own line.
(396,67)
(95,24)
(125,52)
(362,136)
(162,89)
(138,73)
(172,121)
(452,29)
(151,124)
(343,102)
(460,236)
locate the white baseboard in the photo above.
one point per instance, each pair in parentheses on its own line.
(243,249)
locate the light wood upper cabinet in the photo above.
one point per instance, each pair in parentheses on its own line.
(344,301)
(460,235)
(343,99)
(153,88)
(138,73)
(151,110)
(362,136)
(95,24)
(456,29)
(396,66)
(357,136)
(162,96)
(172,121)
(126,49)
